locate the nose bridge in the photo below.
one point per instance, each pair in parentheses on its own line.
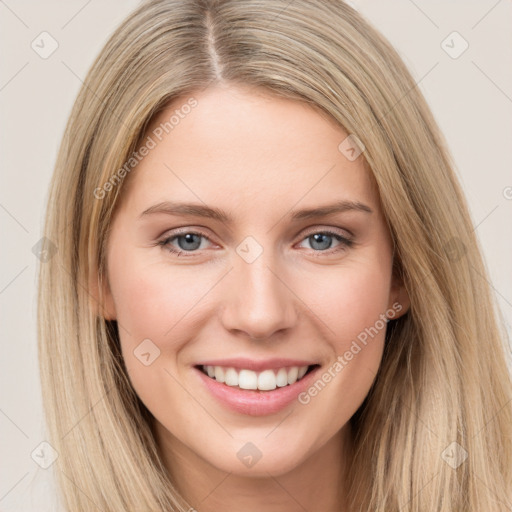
(258,302)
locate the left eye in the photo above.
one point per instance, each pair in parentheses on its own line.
(323,240)
(190,242)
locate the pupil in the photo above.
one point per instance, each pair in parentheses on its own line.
(189,238)
(322,241)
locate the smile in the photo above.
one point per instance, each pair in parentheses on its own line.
(266,380)
(256,388)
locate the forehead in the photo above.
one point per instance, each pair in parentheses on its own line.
(243,148)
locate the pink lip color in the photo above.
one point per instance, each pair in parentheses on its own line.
(256,403)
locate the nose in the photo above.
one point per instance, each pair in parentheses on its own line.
(257,301)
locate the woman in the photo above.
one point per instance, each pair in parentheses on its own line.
(267,293)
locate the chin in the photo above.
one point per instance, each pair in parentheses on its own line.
(259,458)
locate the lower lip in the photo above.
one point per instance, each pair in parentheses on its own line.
(254,402)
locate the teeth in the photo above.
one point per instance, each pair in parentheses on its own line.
(247,379)
(293,374)
(302,371)
(266,380)
(231,377)
(282,377)
(219,373)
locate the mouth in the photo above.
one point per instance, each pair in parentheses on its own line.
(256,381)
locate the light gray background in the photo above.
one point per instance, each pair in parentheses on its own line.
(471,97)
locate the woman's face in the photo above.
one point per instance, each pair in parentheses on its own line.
(250,237)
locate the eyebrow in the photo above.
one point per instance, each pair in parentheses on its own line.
(201,210)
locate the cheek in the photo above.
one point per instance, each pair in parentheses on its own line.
(150,299)
(157,308)
(349,298)
(156,305)
(352,302)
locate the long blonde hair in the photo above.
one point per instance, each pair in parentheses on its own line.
(434,433)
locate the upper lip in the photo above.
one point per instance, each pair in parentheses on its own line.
(257,366)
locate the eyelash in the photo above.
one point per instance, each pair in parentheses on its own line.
(345,243)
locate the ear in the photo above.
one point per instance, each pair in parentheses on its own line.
(399,300)
(101,296)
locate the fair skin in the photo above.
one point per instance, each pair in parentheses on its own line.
(260,159)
